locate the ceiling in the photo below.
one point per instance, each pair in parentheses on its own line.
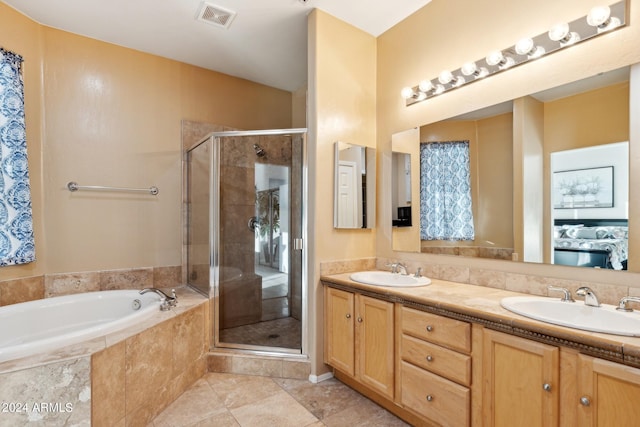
(266,41)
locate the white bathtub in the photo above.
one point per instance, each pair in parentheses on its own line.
(37,326)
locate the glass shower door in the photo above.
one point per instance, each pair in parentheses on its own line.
(259,287)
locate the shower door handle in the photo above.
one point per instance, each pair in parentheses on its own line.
(297,244)
(253,223)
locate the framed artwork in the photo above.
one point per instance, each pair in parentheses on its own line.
(583,188)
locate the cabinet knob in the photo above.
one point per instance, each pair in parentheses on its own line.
(359,319)
(429,358)
(348,316)
(585,401)
(546,387)
(429,398)
(429,328)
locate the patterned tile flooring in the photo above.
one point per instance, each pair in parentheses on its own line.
(232,400)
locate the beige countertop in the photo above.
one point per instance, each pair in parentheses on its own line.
(482,305)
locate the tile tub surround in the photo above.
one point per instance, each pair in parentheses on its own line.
(50,285)
(134,373)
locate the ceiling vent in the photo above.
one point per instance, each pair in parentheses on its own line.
(216,15)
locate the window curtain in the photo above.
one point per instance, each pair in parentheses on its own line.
(445,191)
(16,223)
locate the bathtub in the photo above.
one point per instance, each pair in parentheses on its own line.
(43,325)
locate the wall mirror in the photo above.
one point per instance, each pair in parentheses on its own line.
(546,170)
(355,182)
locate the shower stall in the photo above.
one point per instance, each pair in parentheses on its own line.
(245,236)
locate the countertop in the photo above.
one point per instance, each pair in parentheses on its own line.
(481,304)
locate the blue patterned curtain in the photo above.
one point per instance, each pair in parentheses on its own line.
(16,224)
(445,191)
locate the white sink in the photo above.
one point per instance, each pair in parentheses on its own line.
(576,315)
(386,278)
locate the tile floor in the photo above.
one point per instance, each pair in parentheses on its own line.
(232,400)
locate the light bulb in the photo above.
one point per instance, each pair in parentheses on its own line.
(425,86)
(445,77)
(524,46)
(469,68)
(561,33)
(598,16)
(407,92)
(495,58)
(438,90)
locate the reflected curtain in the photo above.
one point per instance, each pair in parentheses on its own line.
(16,223)
(445,191)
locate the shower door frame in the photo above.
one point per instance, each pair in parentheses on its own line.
(214,243)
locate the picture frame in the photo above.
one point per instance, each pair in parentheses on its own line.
(583,188)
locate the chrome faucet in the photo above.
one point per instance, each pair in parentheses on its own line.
(622,305)
(166,301)
(566,297)
(398,267)
(589,297)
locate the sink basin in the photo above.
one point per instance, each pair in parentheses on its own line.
(576,315)
(386,278)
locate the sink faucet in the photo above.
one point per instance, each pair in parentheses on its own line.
(589,297)
(166,301)
(398,267)
(622,305)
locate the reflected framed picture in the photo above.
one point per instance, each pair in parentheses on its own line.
(583,188)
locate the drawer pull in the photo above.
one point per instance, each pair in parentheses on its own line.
(546,387)
(359,319)
(429,328)
(584,401)
(429,398)
(348,316)
(429,358)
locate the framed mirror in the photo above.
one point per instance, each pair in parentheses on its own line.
(514,178)
(355,184)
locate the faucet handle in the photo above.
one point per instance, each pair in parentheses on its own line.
(566,293)
(418,272)
(622,305)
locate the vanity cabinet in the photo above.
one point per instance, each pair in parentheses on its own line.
(435,365)
(608,393)
(521,381)
(359,338)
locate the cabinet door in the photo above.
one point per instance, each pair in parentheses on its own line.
(339,332)
(375,344)
(521,381)
(609,393)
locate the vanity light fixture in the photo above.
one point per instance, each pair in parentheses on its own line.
(598,21)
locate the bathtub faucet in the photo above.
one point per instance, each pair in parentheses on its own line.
(166,301)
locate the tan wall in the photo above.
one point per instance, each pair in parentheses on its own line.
(107,115)
(439,37)
(342,82)
(490,152)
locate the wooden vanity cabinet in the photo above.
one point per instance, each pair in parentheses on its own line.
(608,393)
(359,338)
(521,381)
(435,374)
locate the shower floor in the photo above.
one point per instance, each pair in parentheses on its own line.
(277,328)
(283,333)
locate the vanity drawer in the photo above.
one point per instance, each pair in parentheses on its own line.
(450,333)
(434,397)
(439,360)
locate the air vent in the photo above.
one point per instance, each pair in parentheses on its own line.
(216,15)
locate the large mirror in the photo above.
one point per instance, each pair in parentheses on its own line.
(547,177)
(355,182)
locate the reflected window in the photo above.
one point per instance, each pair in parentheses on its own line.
(445,191)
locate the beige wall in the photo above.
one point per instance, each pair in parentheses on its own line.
(439,37)
(100,114)
(342,97)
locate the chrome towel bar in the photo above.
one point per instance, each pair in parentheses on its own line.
(73,186)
